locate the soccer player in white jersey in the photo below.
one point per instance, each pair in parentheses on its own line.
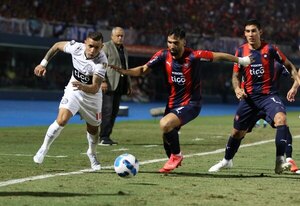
(82,94)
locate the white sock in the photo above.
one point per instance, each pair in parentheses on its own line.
(52,133)
(92,141)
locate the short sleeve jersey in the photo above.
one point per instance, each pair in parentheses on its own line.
(183,75)
(260,76)
(83,68)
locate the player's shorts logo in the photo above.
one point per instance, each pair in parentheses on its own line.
(64,101)
(274,100)
(178,110)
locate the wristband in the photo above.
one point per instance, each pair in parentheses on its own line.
(44,63)
(244,61)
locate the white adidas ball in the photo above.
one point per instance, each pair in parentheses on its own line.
(126,165)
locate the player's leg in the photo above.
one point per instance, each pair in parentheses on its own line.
(91,113)
(245,117)
(170,125)
(92,137)
(171,140)
(231,149)
(289,151)
(52,133)
(275,109)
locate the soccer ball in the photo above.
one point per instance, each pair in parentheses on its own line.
(126,165)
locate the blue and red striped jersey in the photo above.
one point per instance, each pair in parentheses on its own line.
(260,76)
(182,75)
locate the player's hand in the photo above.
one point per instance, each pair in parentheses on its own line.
(291,95)
(77,85)
(104,87)
(40,71)
(245,61)
(240,93)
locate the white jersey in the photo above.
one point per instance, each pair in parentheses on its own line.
(88,105)
(83,68)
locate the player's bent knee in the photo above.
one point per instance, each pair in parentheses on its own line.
(280,119)
(165,126)
(238,134)
(93,130)
(62,122)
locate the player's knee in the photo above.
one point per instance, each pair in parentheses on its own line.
(238,134)
(93,130)
(280,119)
(165,126)
(61,122)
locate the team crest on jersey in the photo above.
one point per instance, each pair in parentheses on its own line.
(265,56)
(87,70)
(72,42)
(186,65)
(78,50)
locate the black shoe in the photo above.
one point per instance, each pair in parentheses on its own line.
(107,142)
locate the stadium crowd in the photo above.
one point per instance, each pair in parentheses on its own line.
(155,17)
(203,20)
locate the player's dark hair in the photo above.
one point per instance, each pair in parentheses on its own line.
(178,32)
(96,36)
(254,22)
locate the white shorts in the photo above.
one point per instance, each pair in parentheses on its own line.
(87,105)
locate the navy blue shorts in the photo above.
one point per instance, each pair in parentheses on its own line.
(185,113)
(261,115)
(249,108)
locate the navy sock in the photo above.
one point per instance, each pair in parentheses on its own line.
(280,140)
(172,139)
(232,147)
(167,146)
(289,141)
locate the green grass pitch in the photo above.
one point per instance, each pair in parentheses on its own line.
(61,181)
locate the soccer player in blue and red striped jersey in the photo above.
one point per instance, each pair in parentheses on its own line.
(182,71)
(280,70)
(259,94)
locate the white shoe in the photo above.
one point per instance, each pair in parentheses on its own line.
(281,165)
(95,165)
(40,155)
(223,164)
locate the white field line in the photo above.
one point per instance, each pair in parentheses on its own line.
(39,177)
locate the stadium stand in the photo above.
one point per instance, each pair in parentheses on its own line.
(215,25)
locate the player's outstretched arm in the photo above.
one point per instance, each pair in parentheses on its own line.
(136,71)
(220,56)
(40,70)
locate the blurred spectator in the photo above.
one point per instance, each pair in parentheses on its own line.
(153,18)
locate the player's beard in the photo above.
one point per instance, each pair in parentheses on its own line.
(174,52)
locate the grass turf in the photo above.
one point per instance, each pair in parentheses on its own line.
(250,182)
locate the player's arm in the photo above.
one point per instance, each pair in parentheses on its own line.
(40,70)
(293,90)
(293,71)
(236,83)
(136,71)
(89,88)
(220,56)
